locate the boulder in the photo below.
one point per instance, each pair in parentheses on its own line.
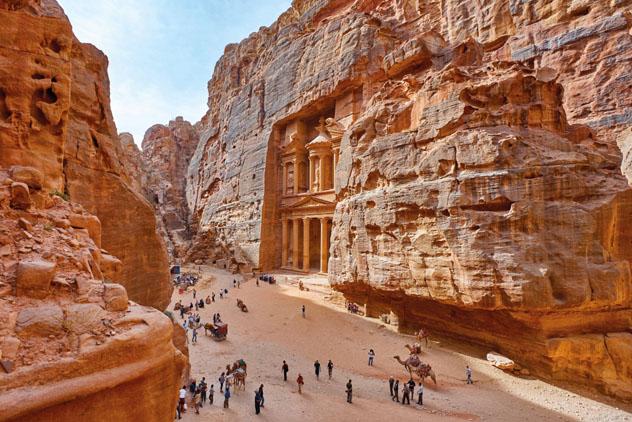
(25,224)
(40,321)
(115,297)
(500,361)
(30,176)
(110,266)
(88,222)
(20,196)
(9,347)
(34,277)
(84,317)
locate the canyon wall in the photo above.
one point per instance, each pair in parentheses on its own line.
(166,153)
(480,191)
(71,343)
(77,240)
(55,117)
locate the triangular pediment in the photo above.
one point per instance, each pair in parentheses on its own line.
(311,201)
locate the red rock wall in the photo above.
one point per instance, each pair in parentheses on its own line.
(71,343)
(166,155)
(480,185)
(55,116)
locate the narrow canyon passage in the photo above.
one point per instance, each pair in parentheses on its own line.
(273,330)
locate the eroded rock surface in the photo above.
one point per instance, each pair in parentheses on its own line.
(57,135)
(166,152)
(479,187)
(70,342)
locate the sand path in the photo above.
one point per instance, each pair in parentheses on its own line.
(274,330)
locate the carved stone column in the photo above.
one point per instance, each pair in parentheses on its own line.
(322,183)
(296,175)
(324,244)
(295,238)
(311,174)
(333,169)
(285,242)
(306,244)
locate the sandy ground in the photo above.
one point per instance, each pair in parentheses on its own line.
(273,330)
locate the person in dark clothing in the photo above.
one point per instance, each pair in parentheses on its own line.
(349,391)
(226,397)
(261,395)
(406,395)
(285,369)
(257,402)
(317,369)
(192,387)
(411,387)
(202,392)
(213,297)
(396,391)
(391,381)
(221,380)
(303,310)
(330,368)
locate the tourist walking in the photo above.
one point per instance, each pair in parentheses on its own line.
(391,381)
(194,336)
(300,383)
(202,392)
(257,402)
(396,391)
(194,293)
(371,357)
(221,380)
(303,310)
(213,297)
(211,393)
(420,394)
(468,373)
(285,369)
(195,401)
(317,369)
(226,397)
(234,283)
(221,294)
(261,395)
(330,368)
(349,391)
(182,396)
(192,387)
(406,394)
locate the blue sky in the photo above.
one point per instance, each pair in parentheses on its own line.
(162,52)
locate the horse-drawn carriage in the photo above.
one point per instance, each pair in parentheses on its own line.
(218,331)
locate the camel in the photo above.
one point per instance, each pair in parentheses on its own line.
(239,379)
(414,364)
(237,365)
(423,334)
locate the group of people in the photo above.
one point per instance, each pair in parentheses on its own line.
(185,280)
(408,391)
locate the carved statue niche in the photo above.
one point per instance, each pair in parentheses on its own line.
(316,184)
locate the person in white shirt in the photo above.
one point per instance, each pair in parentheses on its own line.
(420,395)
(182,396)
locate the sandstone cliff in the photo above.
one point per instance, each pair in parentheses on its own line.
(166,153)
(55,117)
(479,188)
(70,341)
